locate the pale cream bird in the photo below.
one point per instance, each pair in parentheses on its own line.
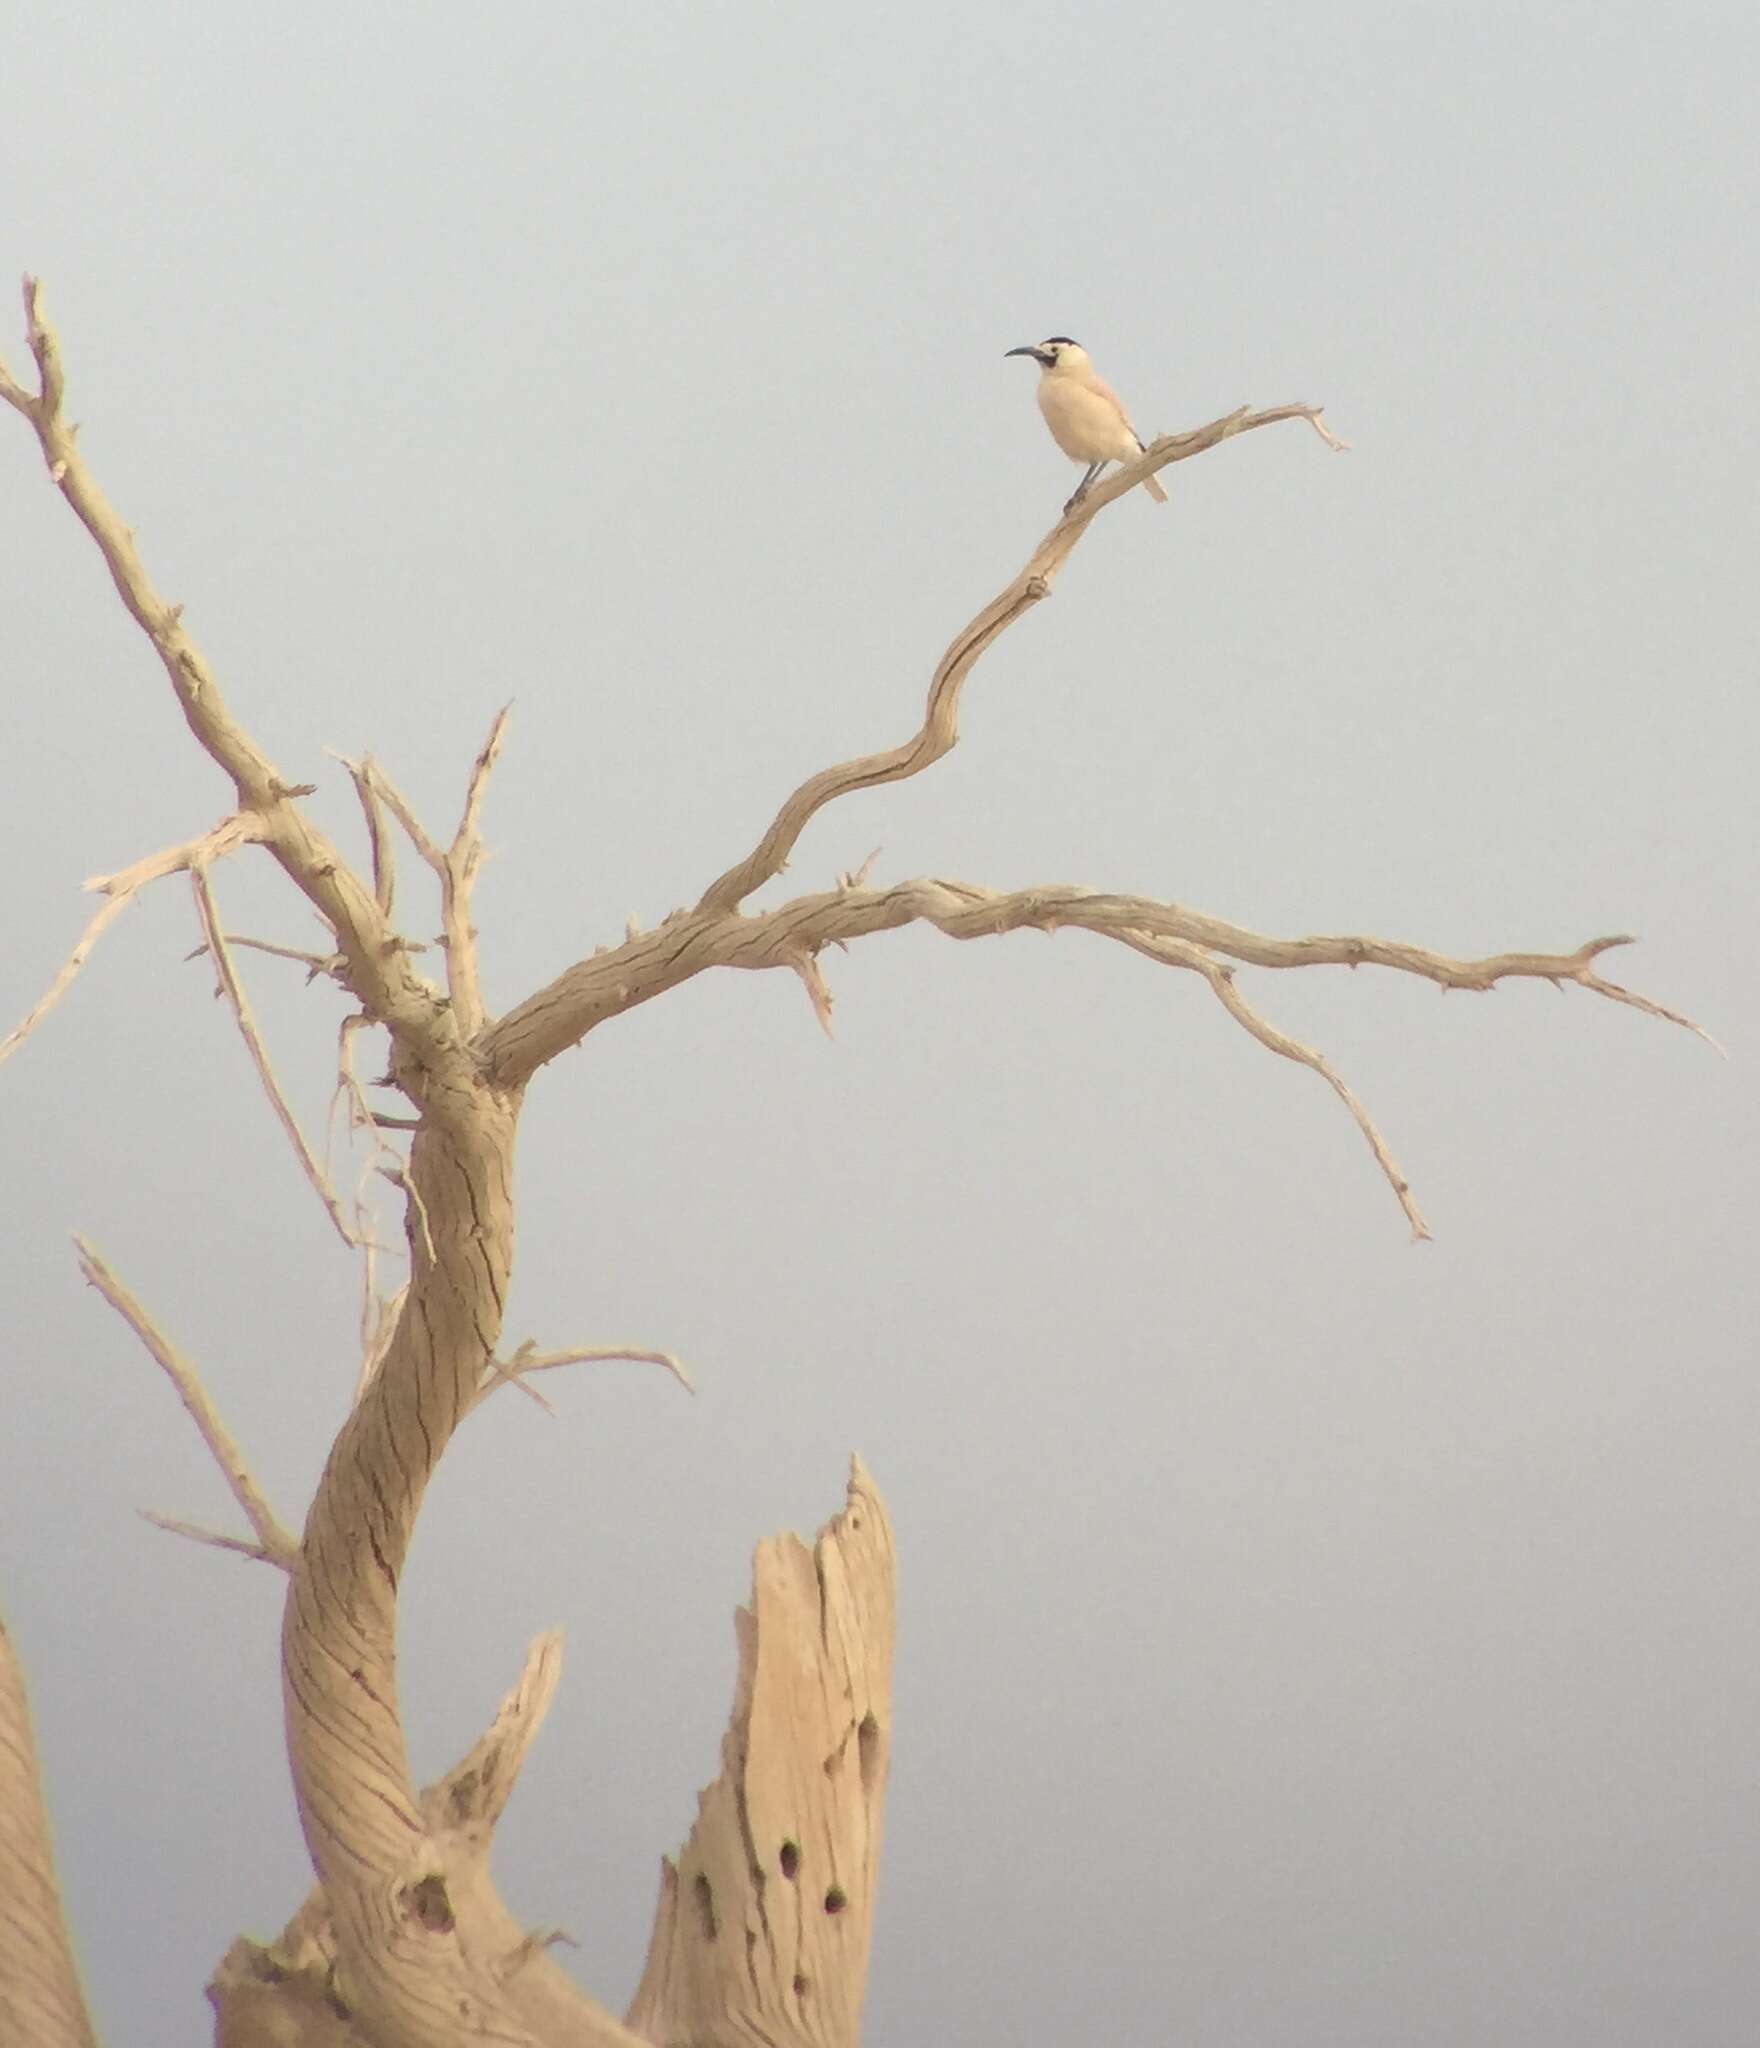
(1087,420)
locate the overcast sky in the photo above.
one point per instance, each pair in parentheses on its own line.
(1307,1638)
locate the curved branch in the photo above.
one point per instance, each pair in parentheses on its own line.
(647,966)
(271,1991)
(419,1966)
(940,729)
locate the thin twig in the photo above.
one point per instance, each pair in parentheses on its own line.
(247,1026)
(121,889)
(196,1534)
(1586,978)
(377,970)
(398,1175)
(458,878)
(404,812)
(528,1359)
(280,1546)
(1221,977)
(379,840)
(314,963)
(377,1341)
(456,866)
(466,837)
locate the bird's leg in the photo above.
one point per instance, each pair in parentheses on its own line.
(1081,489)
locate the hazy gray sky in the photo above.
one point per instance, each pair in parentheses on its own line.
(1306,1638)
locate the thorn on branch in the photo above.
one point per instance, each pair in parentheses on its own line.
(857,878)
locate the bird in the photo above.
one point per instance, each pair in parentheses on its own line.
(1087,420)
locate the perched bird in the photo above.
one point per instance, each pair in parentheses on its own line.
(1083,412)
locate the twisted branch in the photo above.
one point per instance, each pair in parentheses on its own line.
(939,733)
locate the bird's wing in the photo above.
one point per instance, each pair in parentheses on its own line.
(1104,390)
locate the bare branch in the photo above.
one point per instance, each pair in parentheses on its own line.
(614,982)
(456,866)
(499,1375)
(247,1026)
(458,879)
(421,1235)
(1616,994)
(314,963)
(465,841)
(940,728)
(379,839)
(1221,977)
(404,812)
(121,890)
(378,1328)
(476,1790)
(528,1359)
(281,1547)
(214,1539)
(377,969)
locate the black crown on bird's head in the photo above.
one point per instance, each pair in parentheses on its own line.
(1047,352)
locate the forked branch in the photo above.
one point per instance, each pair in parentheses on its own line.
(455,865)
(274,1541)
(529,1359)
(939,732)
(376,965)
(119,891)
(619,980)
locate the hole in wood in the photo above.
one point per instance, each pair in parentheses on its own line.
(705,1905)
(836,1899)
(868,1753)
(800,1985)
(427,1900)
(791,1859)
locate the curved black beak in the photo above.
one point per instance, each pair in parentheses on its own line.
(1032,349)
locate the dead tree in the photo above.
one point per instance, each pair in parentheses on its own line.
(763,1925)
